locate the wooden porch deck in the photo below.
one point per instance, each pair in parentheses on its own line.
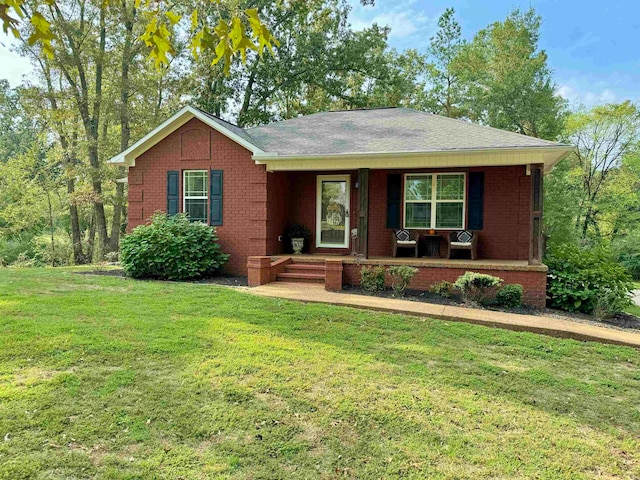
(485,264)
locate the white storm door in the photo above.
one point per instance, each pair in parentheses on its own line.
(332,211)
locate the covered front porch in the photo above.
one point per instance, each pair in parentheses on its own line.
(354,217)
(358,211)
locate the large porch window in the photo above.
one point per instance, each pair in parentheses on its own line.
(196,195)
(434,200)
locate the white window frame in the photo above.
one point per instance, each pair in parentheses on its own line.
(434,200)
(190,197)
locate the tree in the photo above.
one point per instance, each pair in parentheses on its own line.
(321,64)
(17,131)
(604,136)
(225,35)
(446,93)
(509,81)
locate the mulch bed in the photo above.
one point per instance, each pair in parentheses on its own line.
(621,321)
(227,280)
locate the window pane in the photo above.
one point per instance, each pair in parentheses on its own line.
(450,187)
(195,184)
(418,215)
(418,187)
(449,215)
(196,209)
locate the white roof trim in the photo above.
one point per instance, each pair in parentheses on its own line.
(128,157)
(548,155)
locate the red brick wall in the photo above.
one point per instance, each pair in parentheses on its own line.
(507,197)
(278,201)
(245,195)
(534,282)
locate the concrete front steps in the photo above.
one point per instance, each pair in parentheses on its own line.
(303,272)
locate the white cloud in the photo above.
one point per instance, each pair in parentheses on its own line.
(410,26)
(587,97)
(12,65)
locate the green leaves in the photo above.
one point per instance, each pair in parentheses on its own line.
(42,33)
(226,39)
(11,13)
(172,248)
(586,279)
(229,38)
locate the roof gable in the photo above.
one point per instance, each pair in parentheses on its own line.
(128,156)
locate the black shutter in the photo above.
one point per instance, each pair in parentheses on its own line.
(394,192)
(476,201)
(173,192)
(215,177)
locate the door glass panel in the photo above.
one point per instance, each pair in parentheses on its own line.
(333,213)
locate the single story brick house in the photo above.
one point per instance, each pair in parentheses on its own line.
(357,179)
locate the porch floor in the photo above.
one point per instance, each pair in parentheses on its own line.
(485,264)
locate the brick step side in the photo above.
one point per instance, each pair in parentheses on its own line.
(301,277)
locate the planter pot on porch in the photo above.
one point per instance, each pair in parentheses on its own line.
(297,244)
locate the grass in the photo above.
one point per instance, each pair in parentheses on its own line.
(634,309)
(105,377)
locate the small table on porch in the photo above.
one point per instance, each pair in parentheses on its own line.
(432,244)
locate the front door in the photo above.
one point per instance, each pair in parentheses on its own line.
(332,211)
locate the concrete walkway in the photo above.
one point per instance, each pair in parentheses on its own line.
(527,323)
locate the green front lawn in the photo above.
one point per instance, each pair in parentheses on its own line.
(112,378)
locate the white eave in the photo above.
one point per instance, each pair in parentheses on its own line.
(547,155)
(128,157)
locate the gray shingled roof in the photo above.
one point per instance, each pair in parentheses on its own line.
(229,126)
(381,130)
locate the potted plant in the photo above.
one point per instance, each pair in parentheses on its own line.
(298,234)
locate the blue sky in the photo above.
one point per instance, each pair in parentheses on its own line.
(593,47)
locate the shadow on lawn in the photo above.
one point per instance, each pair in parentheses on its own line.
(597,385)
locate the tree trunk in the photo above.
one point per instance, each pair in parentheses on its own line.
(125,128)
(53,243)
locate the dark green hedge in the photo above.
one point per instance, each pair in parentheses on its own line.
(172,248)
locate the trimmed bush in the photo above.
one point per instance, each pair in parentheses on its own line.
(372,279)
(401,275)
(586,279)
(509,295)
(631,261)
(171,248)
(476,287)
(444,289)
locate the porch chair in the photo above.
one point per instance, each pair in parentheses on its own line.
(405,239)
(463,240)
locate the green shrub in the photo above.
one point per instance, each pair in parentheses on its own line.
(401,275)
(171,248)
(372,279)
(509,295)
(59,254)
(583,279)
(631,261)
(16,248)
(477,287)
(444,289)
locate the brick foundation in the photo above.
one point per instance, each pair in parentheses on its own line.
(333,275)
(533,280)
